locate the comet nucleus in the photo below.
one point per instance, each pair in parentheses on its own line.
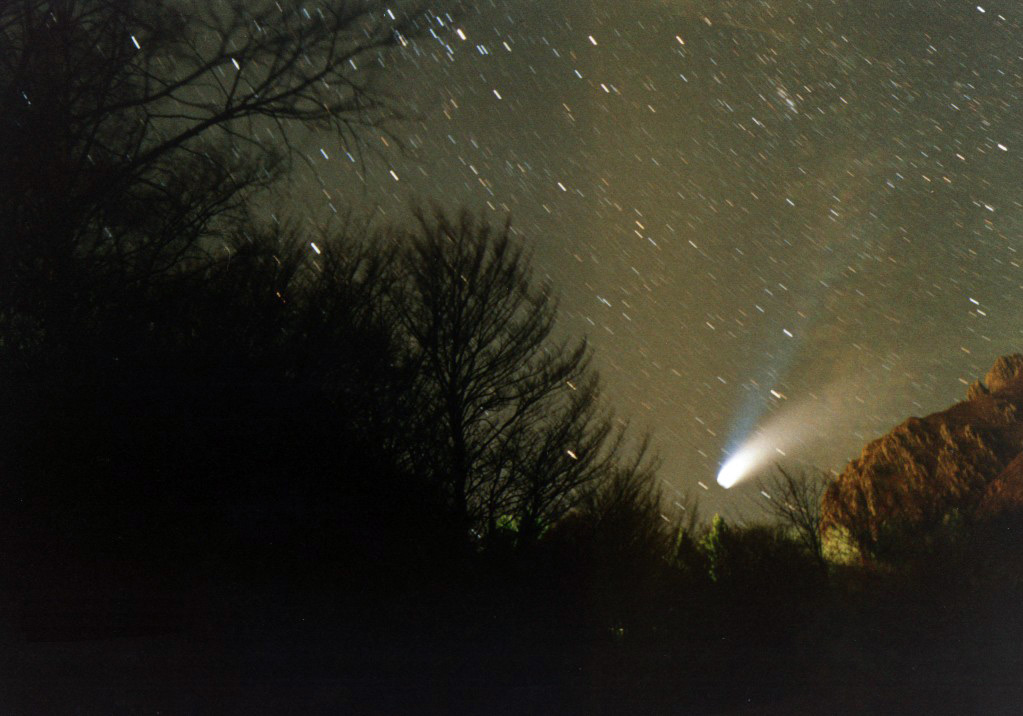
(735,468)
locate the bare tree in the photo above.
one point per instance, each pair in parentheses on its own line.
(518,433)
(794,499)
(130,126)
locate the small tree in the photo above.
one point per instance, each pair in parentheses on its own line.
(794,500)
(515,432)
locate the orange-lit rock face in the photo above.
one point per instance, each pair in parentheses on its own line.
(1006,371)
(926,468)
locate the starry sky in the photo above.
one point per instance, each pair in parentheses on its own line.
(794,216)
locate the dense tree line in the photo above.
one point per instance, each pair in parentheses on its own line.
(221,424)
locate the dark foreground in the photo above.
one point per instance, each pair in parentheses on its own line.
(233,646)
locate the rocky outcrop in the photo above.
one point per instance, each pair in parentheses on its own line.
(976,389)
(967,459)
(1006,371)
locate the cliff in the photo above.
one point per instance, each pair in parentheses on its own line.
(963,462)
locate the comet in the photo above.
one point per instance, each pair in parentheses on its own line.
(796,425)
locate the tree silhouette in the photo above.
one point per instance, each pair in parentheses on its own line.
(794,499)
(131,126)
(140,313)
(516,431)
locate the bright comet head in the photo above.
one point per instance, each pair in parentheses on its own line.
(735,469)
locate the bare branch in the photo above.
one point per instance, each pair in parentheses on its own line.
(794,500)
(110,105)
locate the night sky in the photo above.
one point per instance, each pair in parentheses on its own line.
(795,217)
